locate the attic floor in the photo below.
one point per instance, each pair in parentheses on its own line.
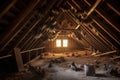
(61,71)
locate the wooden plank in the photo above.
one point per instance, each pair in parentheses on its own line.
(106,41)
(93,8)
(32,50)
(6,56)
(102,15)
(116,57)
(8,8)
(107,53)
(115,10)
(15,30)
(19,60)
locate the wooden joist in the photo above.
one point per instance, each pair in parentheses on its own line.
(8,7)
(15,30)
(116,58)
(9,55)
(32,50)
(6,56)
(107,53)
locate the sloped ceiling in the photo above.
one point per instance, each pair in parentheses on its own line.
(28,23)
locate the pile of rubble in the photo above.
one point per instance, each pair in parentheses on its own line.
(37,70)
(90,69)
(57,60)
(76,67)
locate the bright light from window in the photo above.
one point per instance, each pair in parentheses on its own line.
(58,43)
(61,43)
(65,43)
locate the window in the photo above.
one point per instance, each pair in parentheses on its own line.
(58,43)
(65,42)
(61,43)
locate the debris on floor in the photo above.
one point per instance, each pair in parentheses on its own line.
(89,70)
(62,67)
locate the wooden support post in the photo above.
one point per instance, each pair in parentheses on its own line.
(19,60)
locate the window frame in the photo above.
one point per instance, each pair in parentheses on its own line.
(61,43)
(65,43)
(58,43)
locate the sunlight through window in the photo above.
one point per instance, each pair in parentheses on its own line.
(65,43)
(58,43)
(61,43)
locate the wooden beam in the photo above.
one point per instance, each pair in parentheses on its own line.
(15,30)
(32,27)
(98,42)
(116,57)
(117,29)
(24,43)
(7,8)
(32,50)
(100,24)
(37,57)
(6,56)
(28,31)
(115,10)
(31,42)
(103,37)
(93,7)
(34,44)
(102,15)
(107,53)
(28,40)
(19,59)
(76,4)
(91,44)
(89,40)
(98,37)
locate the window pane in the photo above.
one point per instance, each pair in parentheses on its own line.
(58,43)
(65,43)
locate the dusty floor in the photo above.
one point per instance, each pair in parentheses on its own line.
(59,70)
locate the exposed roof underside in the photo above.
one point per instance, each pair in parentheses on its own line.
(28,23)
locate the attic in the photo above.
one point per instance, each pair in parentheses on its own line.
(80,31)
